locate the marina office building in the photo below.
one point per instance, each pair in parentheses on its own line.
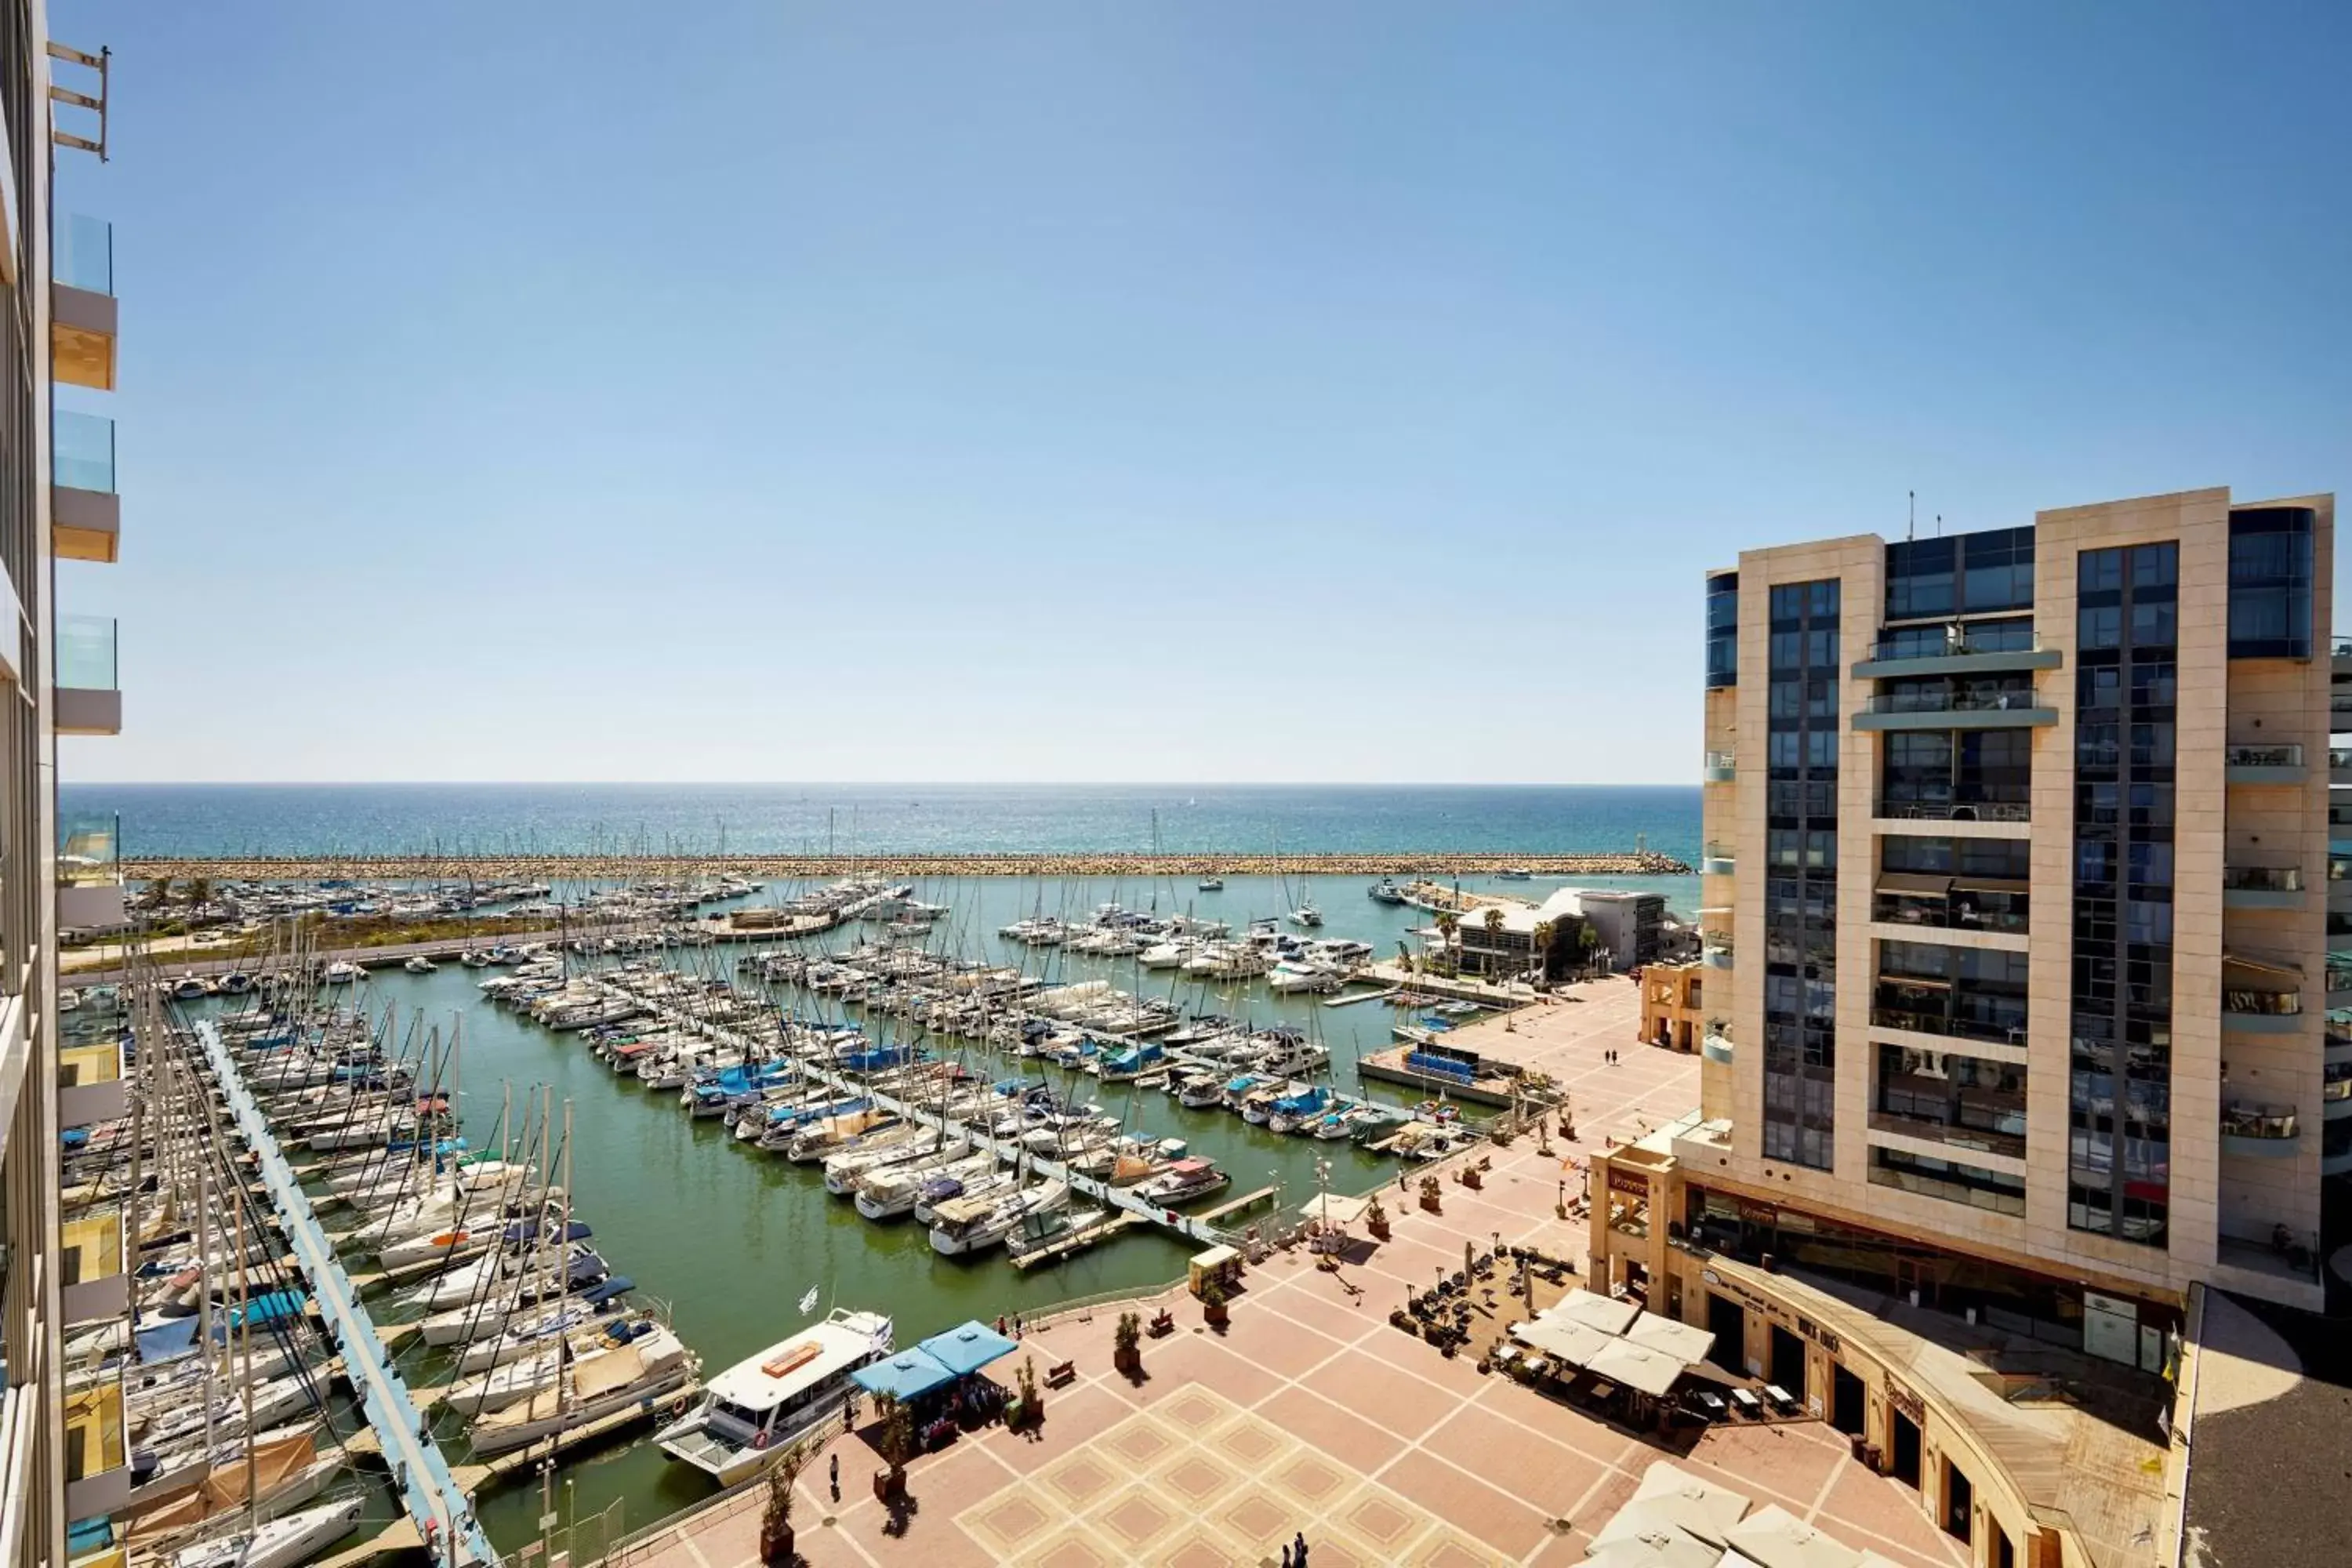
(2017,898)
(62,1458)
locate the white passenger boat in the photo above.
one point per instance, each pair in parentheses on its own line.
(752,1412)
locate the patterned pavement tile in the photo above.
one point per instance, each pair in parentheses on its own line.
(1009,1524)
(1138,1517)
(1079,1481)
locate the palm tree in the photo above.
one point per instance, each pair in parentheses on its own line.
(1448,925)
(1493,924)
(158,894)
(1540,941)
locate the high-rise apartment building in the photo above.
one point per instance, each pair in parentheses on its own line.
(61,1444)
(2019,878)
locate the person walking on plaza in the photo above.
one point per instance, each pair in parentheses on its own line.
(834,1475)
(1298,1551)
(1285,1555)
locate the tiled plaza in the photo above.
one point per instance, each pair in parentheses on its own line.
(1311,1414)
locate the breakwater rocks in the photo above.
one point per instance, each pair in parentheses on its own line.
(665,868)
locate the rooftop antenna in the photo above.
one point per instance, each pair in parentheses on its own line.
(1939,525)
(1911,522)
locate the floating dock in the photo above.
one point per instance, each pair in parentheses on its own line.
(436,1504)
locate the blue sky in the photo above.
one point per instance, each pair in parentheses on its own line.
(1154,390)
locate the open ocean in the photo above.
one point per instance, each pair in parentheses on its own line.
(538,818)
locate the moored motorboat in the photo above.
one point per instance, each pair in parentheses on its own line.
(753,1413)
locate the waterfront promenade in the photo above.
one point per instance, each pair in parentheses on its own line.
(1434,863)
(1312,1415)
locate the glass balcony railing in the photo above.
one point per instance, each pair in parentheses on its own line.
(2016,807)
(81,452)
(1719,762)
(1956,643)
(2019,700)
(2339,972)
(2262,756)
(2337,1084)
(1985,912)
(2344,647)
(86,653)
(1714,852)
(2261,1003)
(2267,1121)
(88,850)
(2262,879)
(2339,757)
(82,254)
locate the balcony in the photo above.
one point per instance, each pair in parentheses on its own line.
(1714,860)
(85,514)
(2263,765)
(2258,1132)
(2009,810)
(1714,1046)
(2250,1010)
(1934,903)
(1896,1008)
(2262,887)
(91,1282)
(1714,949)
(1717,767)
(90,702)
(2340,767)
(90,875)
(1952,1134)
(2335,1091)
(81,303)
(2339,980)
(90,1084)
(97,1461)
(1944,653)
(1954,710)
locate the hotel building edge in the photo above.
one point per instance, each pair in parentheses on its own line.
(2017,898)
(61,1452)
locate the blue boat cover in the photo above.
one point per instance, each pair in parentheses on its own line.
(966,1350)
(619,1285)
(268,1308)
(903,1376)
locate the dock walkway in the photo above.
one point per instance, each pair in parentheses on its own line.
(435,1504)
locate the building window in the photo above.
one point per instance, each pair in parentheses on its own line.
(1966,574)
(1723,629)
(2270,582)
(2119,1103)
(1950,1180)
(1800,849)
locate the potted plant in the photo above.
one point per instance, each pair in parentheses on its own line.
(1127,1344)
(1025,1405)
(776,1513)
(897,1446)
(1213,1310)
(1429,1194)
(1376,1220)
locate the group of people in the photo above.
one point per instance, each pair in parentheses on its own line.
(1294,1554)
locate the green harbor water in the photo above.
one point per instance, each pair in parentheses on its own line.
(731,1238)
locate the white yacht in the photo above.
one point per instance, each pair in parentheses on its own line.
(280,1543)
(1308,915)
(752,1412)
(595,1383)
(420,965)
(974,1224)
(342,972)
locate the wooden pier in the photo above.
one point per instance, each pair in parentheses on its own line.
(1235,1205)
(527,1459)
(1077,1241)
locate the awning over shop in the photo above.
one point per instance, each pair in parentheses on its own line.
(966,1350)
(904,1376)
(1637,1366)
(1581,1306)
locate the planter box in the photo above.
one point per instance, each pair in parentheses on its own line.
(1128,1361)
(776,1546)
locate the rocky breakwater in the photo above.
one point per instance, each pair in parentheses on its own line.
(1435,864)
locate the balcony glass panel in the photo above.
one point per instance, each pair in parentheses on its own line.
(2262,879)
(88,850)
(1957,641)
(2339,972)
(2336,1082)
(82,254)
(2270,1122)
(81,452)
(2340,756)
(1955,911)
(2266,1004)
(2262,756)
(1980,696)
(1721,761)
(1950,1180)
(86,653)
